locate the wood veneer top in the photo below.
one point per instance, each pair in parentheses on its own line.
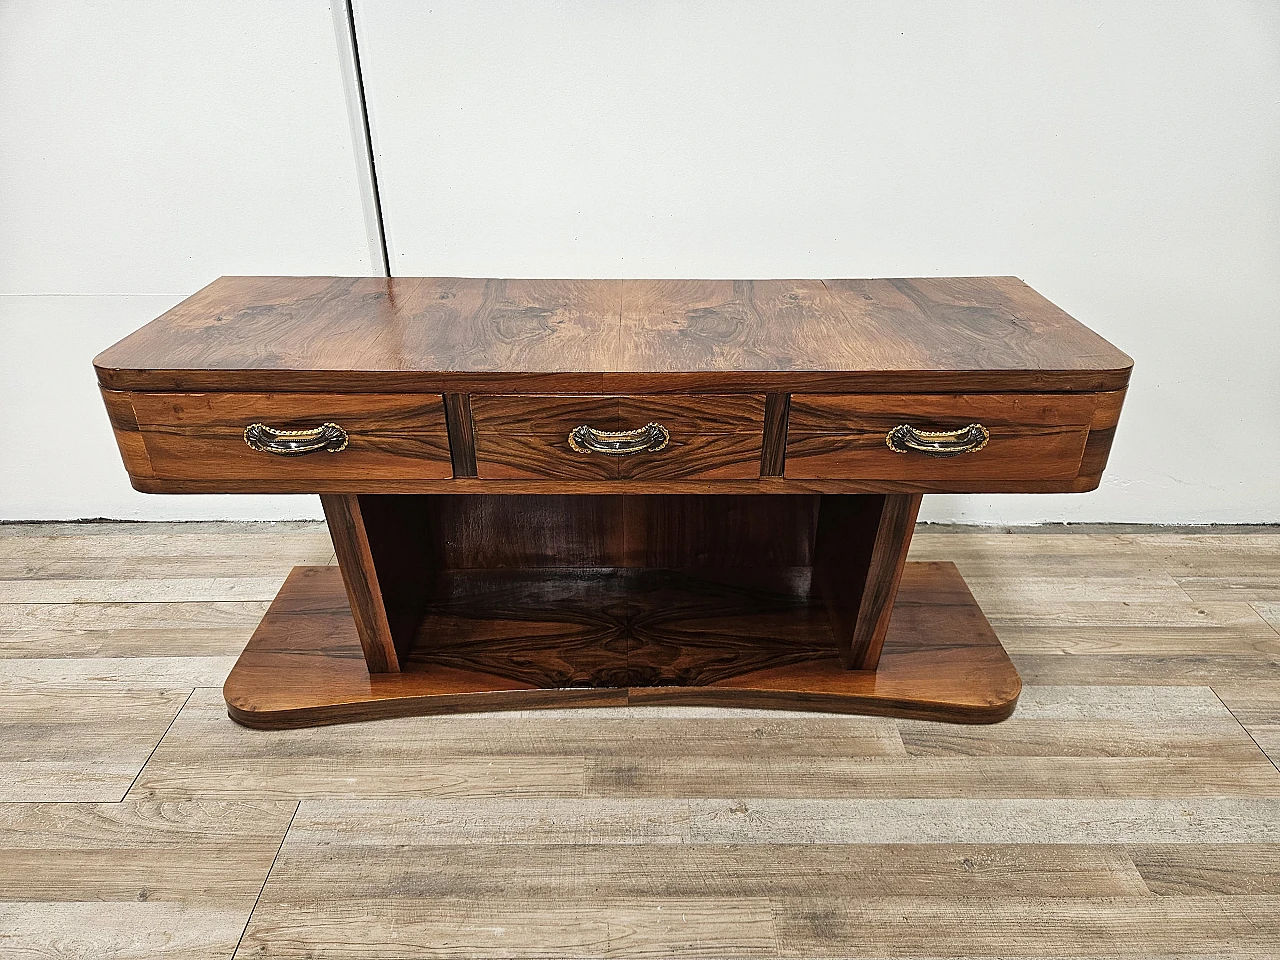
(451,334)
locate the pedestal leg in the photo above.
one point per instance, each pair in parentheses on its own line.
(859,555)
(388,556)
(463,603)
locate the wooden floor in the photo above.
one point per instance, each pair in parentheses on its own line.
(1129,808)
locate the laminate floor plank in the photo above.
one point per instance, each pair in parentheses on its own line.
(1257,706)
(1193,870)
(172,671)
(1129,808)
(1061,742)
(37,618)
(502,928)
(1157,670)
(992,777)
(123,643)
(1012,592)
(344,866)
(108,568)
(1235,927)
(1100,722)
(205,754)
(141,590)
(143,541)
(79,741)
(39,930)
(139,851)
(1269,610)
(675,820)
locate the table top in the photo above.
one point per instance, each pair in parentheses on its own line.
(345,334)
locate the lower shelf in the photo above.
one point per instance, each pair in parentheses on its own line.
(519,639)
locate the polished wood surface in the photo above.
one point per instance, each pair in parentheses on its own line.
(570,531)
(462,443)
(526,638)
(179,443)
(360,578)
(200,437)
(448,335)
(789,384)
(440,397)
(773,453)
(1126,807)
(1033,436)
(860,547)
(526,437)
(393,551)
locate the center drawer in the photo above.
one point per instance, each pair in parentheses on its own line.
(693,437)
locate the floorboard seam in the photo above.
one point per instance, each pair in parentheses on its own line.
(1247,731)
(265,880)
(177,713)
(1272,626)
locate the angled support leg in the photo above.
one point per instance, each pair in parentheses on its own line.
(387,558)
(859,554)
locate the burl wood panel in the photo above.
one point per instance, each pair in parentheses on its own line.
(200,436)
(526,437)
(1033,436)
(451,335)
(494,640)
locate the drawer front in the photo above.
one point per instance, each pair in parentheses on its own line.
(1031,436)
(527,437)
(201,436)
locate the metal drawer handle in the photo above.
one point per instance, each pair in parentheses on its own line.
(650,438)
(939,443)
(295,443)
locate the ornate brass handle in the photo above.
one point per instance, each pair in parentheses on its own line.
(939,443)
(650,438)
(295,443)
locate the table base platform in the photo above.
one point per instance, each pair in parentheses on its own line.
(513,639)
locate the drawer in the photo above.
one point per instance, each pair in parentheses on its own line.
(527,437)
(1030,436)
(201,436)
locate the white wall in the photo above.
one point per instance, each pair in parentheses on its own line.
(1122,157)
(145,149)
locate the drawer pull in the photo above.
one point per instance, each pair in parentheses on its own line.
(938,443)
(295,443)
(650,438)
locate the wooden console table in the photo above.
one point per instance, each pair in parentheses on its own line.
(599,492)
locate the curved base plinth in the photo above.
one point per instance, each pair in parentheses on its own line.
(529,639)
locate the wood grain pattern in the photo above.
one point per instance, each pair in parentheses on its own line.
(700,485)
(351,542)
(774,452)
(712,438)
(623,531)
(450,335)
(1128,813)
(1033,437)
(200,436)
(462,441)
(941,659)
(78,738)
(859,553)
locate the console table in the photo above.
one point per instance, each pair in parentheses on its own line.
(600,492)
